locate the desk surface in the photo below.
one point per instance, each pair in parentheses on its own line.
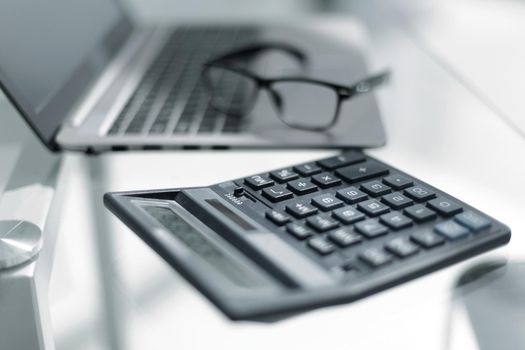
(110,288)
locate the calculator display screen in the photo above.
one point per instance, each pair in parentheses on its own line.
(198,243)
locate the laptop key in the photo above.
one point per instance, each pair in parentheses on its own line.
(341,160)
(277,193)
(325,180)
(444,206)
(362,171)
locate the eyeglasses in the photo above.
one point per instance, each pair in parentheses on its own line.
(300,102)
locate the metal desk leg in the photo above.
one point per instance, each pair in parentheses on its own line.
(24,308)
(105,245)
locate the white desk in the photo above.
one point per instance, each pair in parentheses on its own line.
(107,287)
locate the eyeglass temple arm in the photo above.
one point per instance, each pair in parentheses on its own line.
(257,48)
(367,84)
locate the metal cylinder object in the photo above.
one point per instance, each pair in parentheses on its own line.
(20,241)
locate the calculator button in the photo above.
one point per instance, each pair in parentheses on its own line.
(351,195)
(277,193)
(397,200)
(301,186)
(344,237)
(341,160)
(307,169)
(348,215)
(322,223)
(371,228)
(258,182)
(327,202)
(395,220)
(420,213)
(419,193)
(363,171)
(301,210)
(402,247)
(397,182)
(321,245)
(299,231)
(375,188)
(283,175)
(375,257)
(373,207)
(473,221)
(427,239)
(277,217)
(325,180)
(451,230)
(445,206)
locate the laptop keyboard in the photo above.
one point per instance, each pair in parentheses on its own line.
(170,99)
(351,212)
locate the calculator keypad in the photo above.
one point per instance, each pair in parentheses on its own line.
(359,210)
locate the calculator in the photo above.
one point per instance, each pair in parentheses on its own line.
(311,235)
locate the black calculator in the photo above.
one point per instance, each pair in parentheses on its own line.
(311,235)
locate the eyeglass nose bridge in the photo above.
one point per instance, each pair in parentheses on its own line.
(344,93)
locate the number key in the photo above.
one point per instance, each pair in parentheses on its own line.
(445,206)
(396,200)
(375,188)
(351,195)
(326,202)
(419,193)
(373,207)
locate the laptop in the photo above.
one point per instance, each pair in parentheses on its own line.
(87,78)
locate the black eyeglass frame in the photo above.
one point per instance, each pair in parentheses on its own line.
(343,92)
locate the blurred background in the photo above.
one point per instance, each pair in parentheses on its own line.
(455,63)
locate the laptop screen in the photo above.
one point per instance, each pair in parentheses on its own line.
(51,50)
